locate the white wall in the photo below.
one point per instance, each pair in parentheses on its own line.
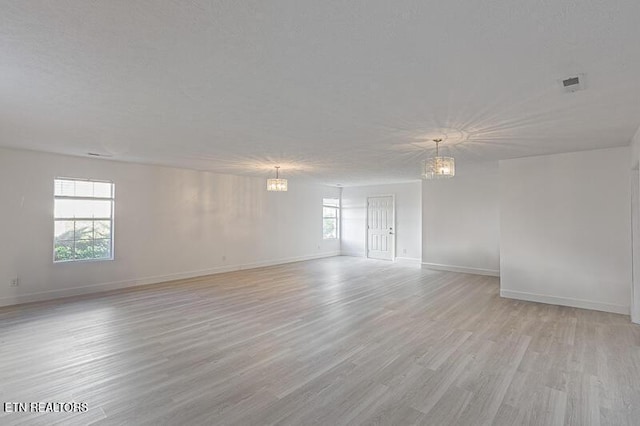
(408,218)
(460,221)
(566,229)
(635,149)
(635,188)
(169,223)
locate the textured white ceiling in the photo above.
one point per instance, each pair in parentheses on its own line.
(346,92)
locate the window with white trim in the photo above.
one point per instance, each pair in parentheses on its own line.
(330,218)
(83,220)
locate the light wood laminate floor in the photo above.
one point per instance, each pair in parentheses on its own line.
(328,342)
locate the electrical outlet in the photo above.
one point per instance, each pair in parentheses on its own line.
(224,258)
(14,282)
(404,251)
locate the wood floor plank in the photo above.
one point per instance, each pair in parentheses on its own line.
(331,341)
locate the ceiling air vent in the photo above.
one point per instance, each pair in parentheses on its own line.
(574,83)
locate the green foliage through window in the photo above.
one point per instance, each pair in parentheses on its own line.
(330,218)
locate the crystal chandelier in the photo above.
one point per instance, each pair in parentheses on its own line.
(439,167)
(277,184)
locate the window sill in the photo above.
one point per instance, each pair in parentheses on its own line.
(62,262)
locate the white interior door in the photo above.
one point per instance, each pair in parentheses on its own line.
(380,227)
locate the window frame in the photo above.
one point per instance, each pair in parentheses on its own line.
(337,209)
(111,219)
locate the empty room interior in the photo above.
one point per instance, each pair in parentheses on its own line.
(220,212)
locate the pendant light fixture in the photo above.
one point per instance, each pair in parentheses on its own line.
(277,184)
(439,167)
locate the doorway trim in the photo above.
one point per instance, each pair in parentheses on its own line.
(366,226)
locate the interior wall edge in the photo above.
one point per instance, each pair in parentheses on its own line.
(408,259)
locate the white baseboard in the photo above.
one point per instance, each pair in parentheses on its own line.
(462,269)
(352,253)
(117,285)
(409,260)
(565,301)
(397,259)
